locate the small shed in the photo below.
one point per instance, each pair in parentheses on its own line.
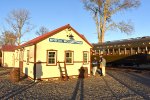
(8,55)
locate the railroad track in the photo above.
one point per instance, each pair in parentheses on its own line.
(110,89)
(130,86)
(130,68)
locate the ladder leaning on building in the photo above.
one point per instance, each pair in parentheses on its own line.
(63,71)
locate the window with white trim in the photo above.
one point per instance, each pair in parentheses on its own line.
(85,57)
(51,57)
(69,57)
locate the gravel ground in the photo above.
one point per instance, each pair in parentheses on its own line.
(116,85)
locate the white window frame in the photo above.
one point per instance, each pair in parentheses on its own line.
(87,58)
(72,58)
(55,57)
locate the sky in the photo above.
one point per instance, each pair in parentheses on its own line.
(56,13)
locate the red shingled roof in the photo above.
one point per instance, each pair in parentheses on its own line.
(46,35)
(8,48)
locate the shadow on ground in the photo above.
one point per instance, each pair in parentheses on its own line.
(17,91)
(79,88)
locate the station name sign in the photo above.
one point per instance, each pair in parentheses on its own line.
(65,41)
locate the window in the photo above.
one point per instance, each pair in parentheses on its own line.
(85,57)
(51,57)
(28,57)
(69,57)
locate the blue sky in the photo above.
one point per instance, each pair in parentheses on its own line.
(56,13)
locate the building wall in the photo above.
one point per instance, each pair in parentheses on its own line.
(44,71)
(22,56)
(28,70)
(28,67)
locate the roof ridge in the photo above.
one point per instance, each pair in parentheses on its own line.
(44,35)
(51,33)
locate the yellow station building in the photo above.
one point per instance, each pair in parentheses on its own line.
(45,57)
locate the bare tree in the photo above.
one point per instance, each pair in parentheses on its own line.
(103,10)
(8,38)
(19,22)
(42,30)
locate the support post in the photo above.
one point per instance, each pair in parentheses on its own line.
(119,51)
(138,50)
(125,51)
(108,51)
(131,51)
(113,51)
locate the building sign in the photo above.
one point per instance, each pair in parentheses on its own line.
(65,41)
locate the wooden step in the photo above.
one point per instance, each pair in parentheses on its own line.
(62,67)
(62,71)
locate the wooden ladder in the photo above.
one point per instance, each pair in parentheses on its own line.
(63,71)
